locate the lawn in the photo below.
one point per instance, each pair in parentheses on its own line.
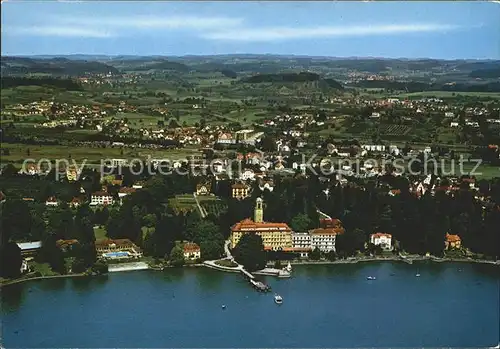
(100,233)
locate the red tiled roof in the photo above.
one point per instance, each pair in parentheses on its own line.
(330,222)
(327,231)
(61,242)
(297,249)
(101,193)
(250,225)
(239,186)
(377,235)
(127,190)
(452,238)
(117,242)
(191,247)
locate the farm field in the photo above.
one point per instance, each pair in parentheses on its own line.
(446,94)
(17,153)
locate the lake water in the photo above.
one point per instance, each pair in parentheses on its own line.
(449,305)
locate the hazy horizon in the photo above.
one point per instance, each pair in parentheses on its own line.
(391,30)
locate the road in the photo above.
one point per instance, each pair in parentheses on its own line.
(202,211)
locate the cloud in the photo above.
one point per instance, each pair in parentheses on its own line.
(57,30)
(158,22)
(290,33)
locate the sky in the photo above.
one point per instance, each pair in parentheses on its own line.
(409,29)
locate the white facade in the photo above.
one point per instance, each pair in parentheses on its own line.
(301,240)
(193,255)
(101,199)
(247,174)
(373,147)
(325,242)
(118,162)
(384,240)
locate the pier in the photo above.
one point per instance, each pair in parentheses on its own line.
(260,286)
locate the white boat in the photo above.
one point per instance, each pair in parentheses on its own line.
(417,275)
(284,274)
(288,268)
(371,278)
(278,299)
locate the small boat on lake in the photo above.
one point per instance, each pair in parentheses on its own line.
(417,275)
(371,278)
(278,299)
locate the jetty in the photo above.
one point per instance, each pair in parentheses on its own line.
(260,286)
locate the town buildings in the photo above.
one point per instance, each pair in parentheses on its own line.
(275,236)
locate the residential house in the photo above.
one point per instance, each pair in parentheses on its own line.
(203,188)
(452,241)
(383,240)
(191,251)
(240,191)
(75,202)
(247,174)
(124,192)
(66,245)
(99,198)
(29,248)
(226,138)
(52,201)
(72,174)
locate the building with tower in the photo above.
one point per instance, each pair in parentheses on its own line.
(275,236)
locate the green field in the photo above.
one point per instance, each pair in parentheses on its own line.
(449,94)
(19,152)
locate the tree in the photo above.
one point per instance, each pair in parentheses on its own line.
(250,252)
(331,255)
(315,255)
(300,223)
(211,249)
(177,256)
(268,144)
(10,260)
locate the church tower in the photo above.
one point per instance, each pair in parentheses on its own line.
(259,211)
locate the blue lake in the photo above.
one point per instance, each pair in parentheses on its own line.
(449,305)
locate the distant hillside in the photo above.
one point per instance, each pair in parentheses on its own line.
(492,73)
(302,77)
(415,86)
(54,66)
(67,84)
(163,65)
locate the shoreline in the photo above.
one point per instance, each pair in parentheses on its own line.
(18,281)
(408,260)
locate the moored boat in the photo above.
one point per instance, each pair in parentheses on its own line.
(371,278)
(278,299)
